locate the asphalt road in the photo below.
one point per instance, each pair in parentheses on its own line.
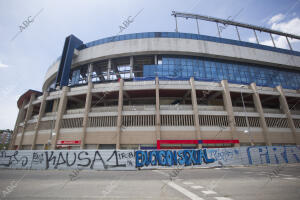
(264,182)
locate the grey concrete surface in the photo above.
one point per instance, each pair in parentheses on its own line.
(263,182)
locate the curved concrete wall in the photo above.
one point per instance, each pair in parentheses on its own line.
(179,46)
(139,134)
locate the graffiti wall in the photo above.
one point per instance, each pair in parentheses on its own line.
(172,157)
(143,159)
(257,155)
(73,159)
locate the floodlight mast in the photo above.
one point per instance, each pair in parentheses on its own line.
(236,24)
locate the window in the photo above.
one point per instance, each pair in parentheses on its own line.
(124,71)
(217,70)
(78,75)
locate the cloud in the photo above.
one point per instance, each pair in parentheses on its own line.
(9,111)
(280,42)
(291,26)
(252,39)
(276,18)
(3,65)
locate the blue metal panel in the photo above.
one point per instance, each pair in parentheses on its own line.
(71,43)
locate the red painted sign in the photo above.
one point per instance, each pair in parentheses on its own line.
(66,142)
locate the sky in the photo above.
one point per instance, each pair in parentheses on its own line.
(32,33)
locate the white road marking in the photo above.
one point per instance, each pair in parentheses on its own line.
(290,178)
(188,183)
(285,175)
(160,172)
(209,192)
(274,176)
(197,187)
(222,198)
(183,191)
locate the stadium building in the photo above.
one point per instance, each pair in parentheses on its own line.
(163,90)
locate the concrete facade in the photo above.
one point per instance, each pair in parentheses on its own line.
(136,114)
(181,47)
(148,135)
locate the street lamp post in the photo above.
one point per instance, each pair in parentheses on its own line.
(245,113)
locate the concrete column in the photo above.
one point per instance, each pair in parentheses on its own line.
(108,69)
(55,105)
(41,114)
(119,119)
(59,115)
(195,111)
(229,109)
(88,101)
(90,72)
(87,109)
(18,121)
(286,109)
(27,117)
(155,59)
(260,110)
(157,109)
(131,66)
